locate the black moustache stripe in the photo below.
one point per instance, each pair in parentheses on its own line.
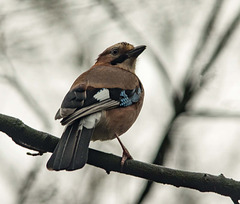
(120,59)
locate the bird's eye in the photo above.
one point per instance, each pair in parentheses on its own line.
(114,51)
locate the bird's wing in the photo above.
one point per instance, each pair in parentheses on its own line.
(79,103)
(100,88)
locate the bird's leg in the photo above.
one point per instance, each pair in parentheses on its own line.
(126,155)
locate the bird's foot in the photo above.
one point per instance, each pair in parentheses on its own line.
(126,155)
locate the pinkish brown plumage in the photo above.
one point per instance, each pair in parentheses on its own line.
(102,104)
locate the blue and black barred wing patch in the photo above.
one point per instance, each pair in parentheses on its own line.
(79,103)
(128,97)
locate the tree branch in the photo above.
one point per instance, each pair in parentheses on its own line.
(43,142)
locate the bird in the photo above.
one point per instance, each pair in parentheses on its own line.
(102,104)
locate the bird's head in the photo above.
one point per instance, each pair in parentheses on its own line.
(121,55)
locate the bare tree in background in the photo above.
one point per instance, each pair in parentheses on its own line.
(53,41)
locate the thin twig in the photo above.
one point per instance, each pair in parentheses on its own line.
(205,34)
(223,42)
(211,114)
(28,182)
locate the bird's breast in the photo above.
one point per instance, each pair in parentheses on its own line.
(115,121)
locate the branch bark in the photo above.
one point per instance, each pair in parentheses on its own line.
(42,142)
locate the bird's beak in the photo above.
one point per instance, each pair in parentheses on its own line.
(136,51)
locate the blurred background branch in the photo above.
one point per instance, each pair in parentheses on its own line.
(190,72)
(131,30)
(191,85)
(14,81)
(212,114)
(227,34)
(204,36)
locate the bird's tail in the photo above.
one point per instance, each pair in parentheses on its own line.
(71,152)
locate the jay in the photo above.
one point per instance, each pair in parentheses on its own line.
(102,104)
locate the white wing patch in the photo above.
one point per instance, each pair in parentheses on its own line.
(102,95)
(90,121)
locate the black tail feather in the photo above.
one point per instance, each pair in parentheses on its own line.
(72,150)
(80,155)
